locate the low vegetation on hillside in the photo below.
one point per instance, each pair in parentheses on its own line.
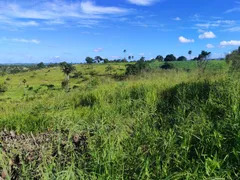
(119,120)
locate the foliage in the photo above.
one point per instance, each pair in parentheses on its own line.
(138,67)
(159,58)
(234,59)
(167,66)
(182,58)
(109,69)
(202,61)
(170,57)
(67,68)
(3,88)
(89,60)
(157,125)
(41,65)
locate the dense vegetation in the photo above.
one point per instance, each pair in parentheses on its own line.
(139,120)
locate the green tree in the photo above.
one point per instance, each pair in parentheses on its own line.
(89,60)
(142,59)
(129,58)
(41,65)
(98,59)
(234,59)
(105,60)
(190,54)
(67,69)
(124,51)
(202,61)
(159,58)
(170,57)
(182,58)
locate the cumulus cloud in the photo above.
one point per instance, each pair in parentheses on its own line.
(98,49)
(177,19)
(230,43)
(207,35)
(209,46)
(185,40)
(142,2)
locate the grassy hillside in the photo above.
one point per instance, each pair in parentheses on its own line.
(157,125)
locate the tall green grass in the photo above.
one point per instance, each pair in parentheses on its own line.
(159,125)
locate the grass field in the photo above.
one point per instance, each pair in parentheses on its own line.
(162,124)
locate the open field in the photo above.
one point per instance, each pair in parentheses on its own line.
(162,124)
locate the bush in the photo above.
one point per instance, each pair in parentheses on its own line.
(234,59)
(167,66)
(3,88)
(139,67)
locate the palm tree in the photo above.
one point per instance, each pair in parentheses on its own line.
(124,51)
(129,58)
(190,53)
(67,69)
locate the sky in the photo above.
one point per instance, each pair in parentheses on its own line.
(33,31)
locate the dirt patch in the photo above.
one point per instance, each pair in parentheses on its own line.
(19,149)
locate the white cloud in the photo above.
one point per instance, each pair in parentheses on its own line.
(232,10)
(141,54)
(56,12)
(177,19)
(22,40)
(207,25)
(230,43)
(142,2)
(209,46)
(90,8)
(233,29)
(98,49)
(207,35)
(185,40)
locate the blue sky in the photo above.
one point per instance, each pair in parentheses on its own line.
(70,30)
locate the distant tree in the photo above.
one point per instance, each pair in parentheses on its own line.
(190,53)
(98,59)
(167,66)
(89,60)
(137,68)
(105,60)
(67,69)
(124,51)
(170,57)
(234,59)
(132,57)
(159,58)
(202,61)
(142,59)
(41,65)
(129,58)
(182,58)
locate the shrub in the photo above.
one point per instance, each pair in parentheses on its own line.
(167,66)
(3,88)
(139,67)
(234,59)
